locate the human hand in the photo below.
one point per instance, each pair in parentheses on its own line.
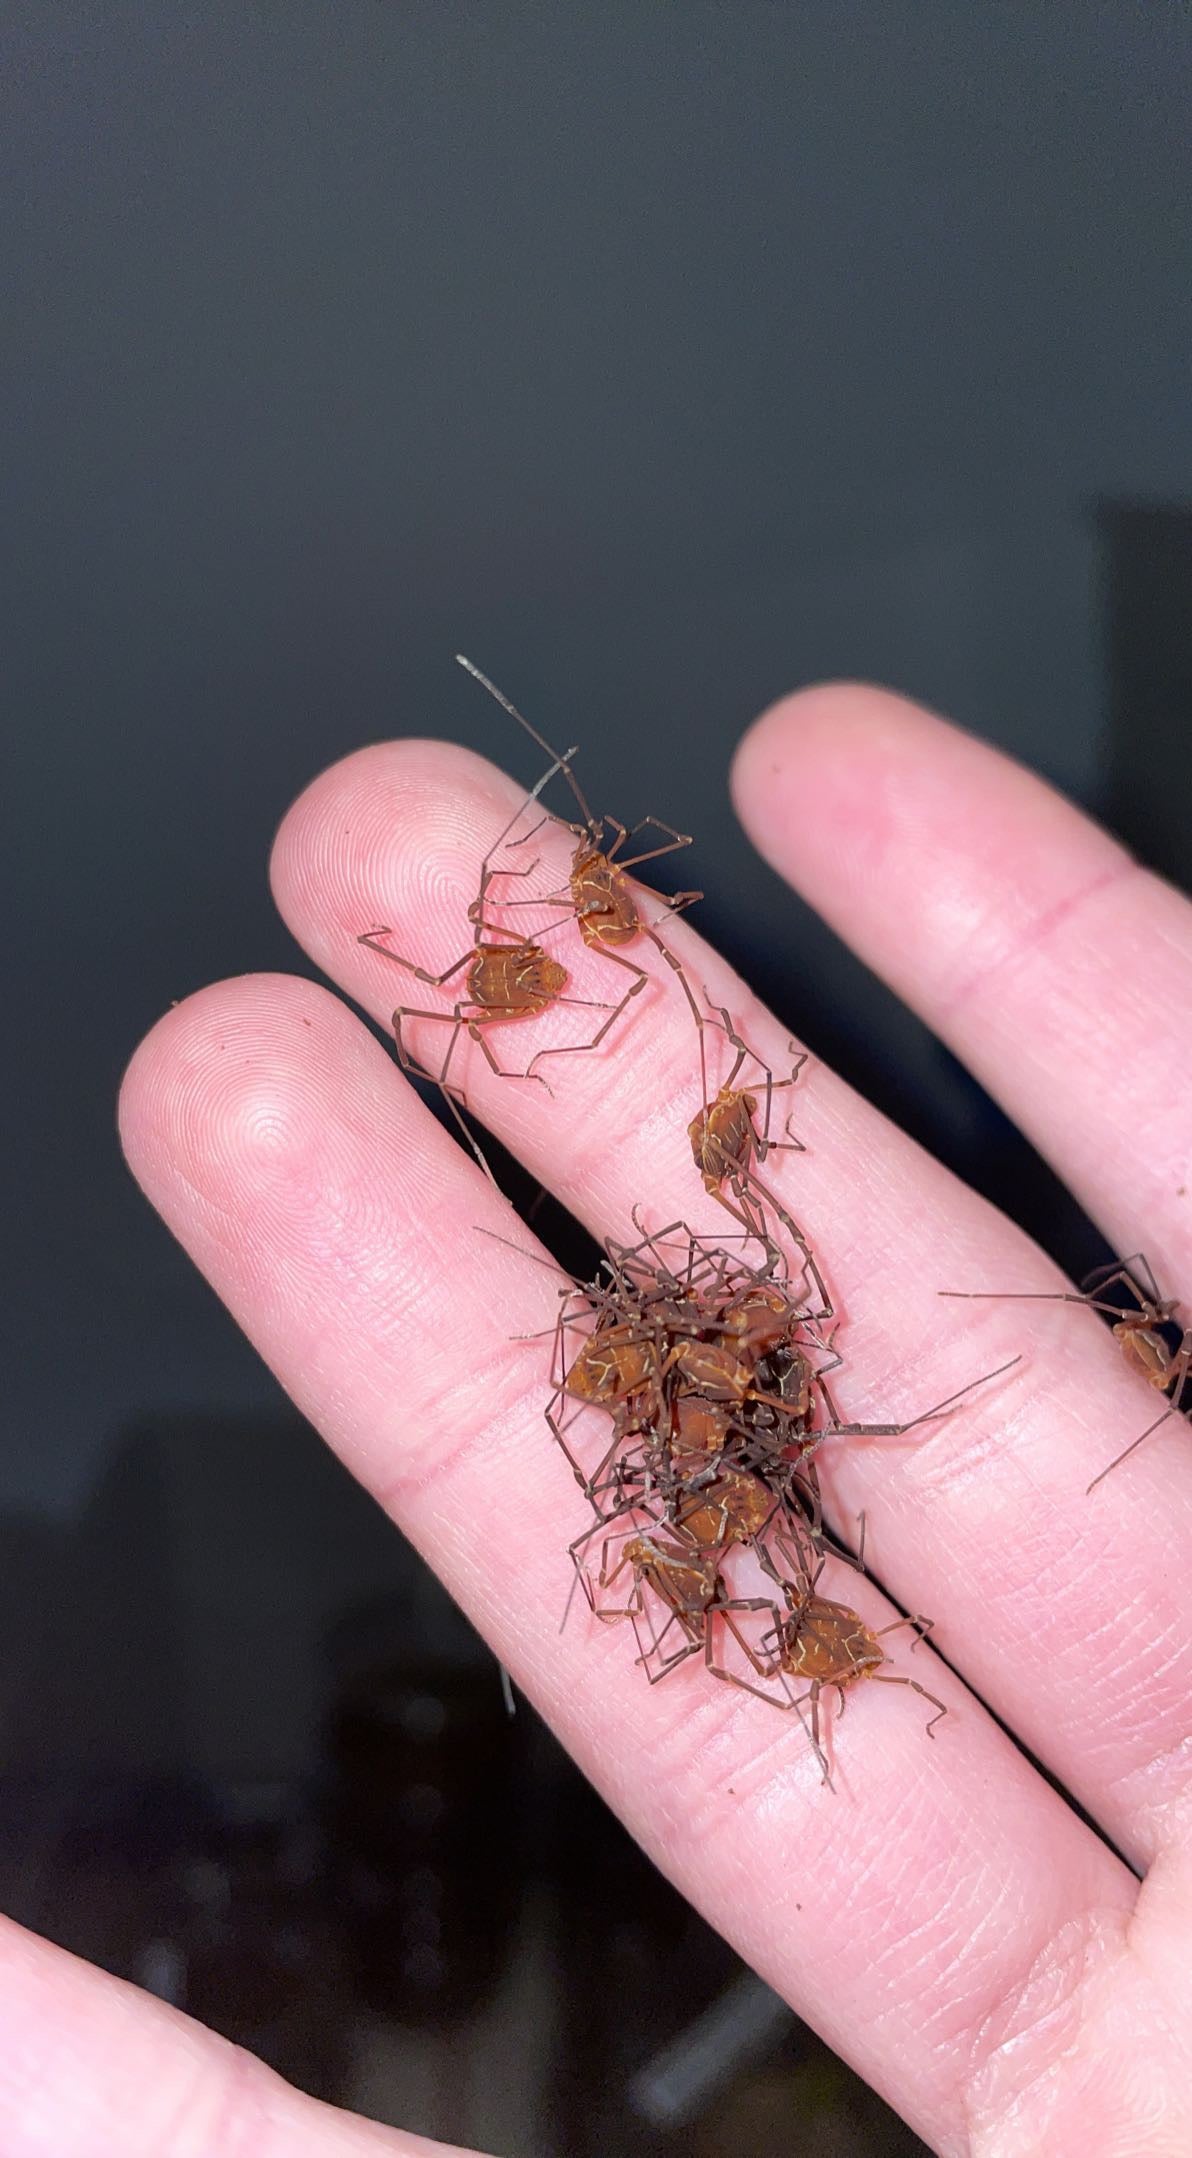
(943,1917)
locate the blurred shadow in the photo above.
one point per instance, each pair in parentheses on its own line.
(259,1763)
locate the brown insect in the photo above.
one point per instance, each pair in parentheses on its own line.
(617,1361)
(667,1566)
(653,1272)
(674,1395)
(621,1360)
(712,1371)
(598,891)
(506,978)
(717,1360)
(698,1425)
(1138,1333)
(727,1142)
(733,1508)
(619,1367)
(827,1644)
(758,1318)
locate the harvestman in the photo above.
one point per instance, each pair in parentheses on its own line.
(597,891)
(726,1141)
(1138,1333)
(507,978)
(824,1642)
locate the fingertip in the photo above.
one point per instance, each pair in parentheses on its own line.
(815,755)
(222,1079)
(361,816)
(338,815)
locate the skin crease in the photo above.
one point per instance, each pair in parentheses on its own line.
(943,1917)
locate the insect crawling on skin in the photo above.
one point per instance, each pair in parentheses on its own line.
(1139,1333)
(598,893)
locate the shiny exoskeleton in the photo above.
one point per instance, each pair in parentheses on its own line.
(1139,1333)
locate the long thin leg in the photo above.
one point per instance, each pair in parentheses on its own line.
(577,1579)
(747,1182)
(892,1678)
(896,1431)
(476,913)
(523,838)
(762,1141)
(1181,1371)
(670,1663)
(676,967)
(566,1049)
(741,1184)
(653,854)
(730,1081)
(920,1627)
(733,1678)
(814,1697)
(1132,1448)
(654,1237)
(561,763)
(674,904)
(434,981)
(743,1180)
(557,1432)
(765,1668)
(592,1484)
(1124,1271)
(1038,1296)
(405,1056)
(540,899)
(536,1259)
(753,1226)
(470,1139)
(479,1035)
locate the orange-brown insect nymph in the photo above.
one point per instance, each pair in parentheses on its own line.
(1138,1333)
(601,899)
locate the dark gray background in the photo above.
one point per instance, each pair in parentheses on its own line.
(660,356)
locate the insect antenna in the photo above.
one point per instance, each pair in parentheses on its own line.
(561,764)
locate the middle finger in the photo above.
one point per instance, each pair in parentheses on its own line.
(1052,1604)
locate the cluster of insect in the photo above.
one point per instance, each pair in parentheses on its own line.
(693,1378)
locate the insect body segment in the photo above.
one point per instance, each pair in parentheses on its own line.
(513,981)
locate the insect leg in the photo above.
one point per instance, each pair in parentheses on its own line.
(893,1678)
(564,1049)
(1132,1448)
(434,981)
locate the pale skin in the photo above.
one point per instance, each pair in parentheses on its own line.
(1009,1982)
